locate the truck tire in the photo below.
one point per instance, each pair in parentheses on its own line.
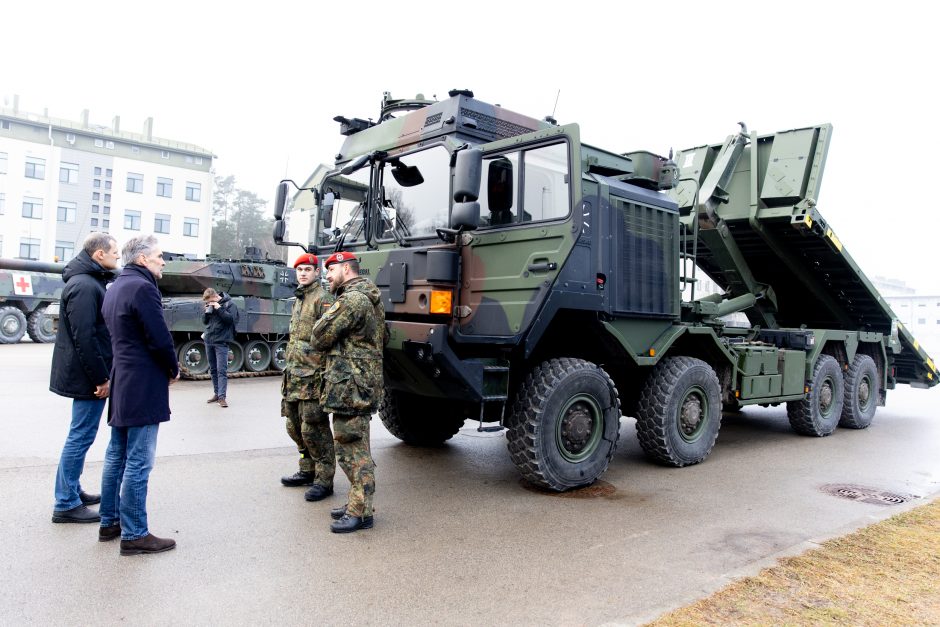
(565,424)
(861,393)
(418,420)
(818,415)
(679,412)
(40,327)
(12,325)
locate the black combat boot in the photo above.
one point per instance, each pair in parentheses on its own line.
(301,477)
(348,524)
(338,512)
(317,493)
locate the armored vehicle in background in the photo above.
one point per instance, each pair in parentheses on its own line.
(262,290)
(533,280)
(27,288)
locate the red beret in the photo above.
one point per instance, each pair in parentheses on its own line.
(339,257)
(307,259)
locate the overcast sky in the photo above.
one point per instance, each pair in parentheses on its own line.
(260,87)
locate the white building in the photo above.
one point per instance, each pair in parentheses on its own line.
(61,180)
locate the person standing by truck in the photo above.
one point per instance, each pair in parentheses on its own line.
(81,369)
(352,334)
(307,424)
(220,318)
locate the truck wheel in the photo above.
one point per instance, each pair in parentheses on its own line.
(419,420)
(257,356)
(861,393)
(192,357)
(818,415)
(12,325)
(565,424)
(40,327)
(679,412)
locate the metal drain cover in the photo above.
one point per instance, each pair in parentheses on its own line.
(866,494)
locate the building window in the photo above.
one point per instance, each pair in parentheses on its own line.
(96,183)
(29,248)
(135,183)
(99,143)
(94,208)
(68,173)
(35,168)
(97,171)
(107,184)
(921,321)
(109,145)
(191,227)
(161,223)
(107,210)
(105,224)
(107,197)
(108,172)
(193,191)
(5,124)
(198,160)
(32,208)
(64,250)
(131,220)
(164,187)
(94,221)
(66,212)
(165,154)
(3,163)
(95,196)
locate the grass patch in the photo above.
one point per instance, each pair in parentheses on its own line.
(885,574)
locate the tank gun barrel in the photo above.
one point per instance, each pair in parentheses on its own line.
(27,265)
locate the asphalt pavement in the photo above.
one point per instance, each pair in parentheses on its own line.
(459,539)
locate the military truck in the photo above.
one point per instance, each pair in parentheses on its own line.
(27,288)
(533,282)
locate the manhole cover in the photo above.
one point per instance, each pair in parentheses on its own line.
(866,494)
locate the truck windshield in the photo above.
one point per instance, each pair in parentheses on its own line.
(416,194)
(351,193)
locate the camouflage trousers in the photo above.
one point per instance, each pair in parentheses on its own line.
(309,427)
(355,458)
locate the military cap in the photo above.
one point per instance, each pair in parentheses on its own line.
(339,257)
(307,259)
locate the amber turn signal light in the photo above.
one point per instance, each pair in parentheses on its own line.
(441,302)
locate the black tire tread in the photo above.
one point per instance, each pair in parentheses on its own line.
(428,425)
(801,413)
(9,310)
(651,419)
(851,418)
(522,436)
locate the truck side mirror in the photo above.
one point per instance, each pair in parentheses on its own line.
(467,172)
(279,228)
(280,200)
(326,209)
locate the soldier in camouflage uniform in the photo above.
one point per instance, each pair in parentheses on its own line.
(352,335)
(307,424)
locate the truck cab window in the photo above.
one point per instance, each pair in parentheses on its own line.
(542,175)
(416,194)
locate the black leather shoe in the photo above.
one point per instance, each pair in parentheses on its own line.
(338,512)
(348,524)
(148,544)
(89,499)
(80,514)
(106,534)
(301,477)
(317,493)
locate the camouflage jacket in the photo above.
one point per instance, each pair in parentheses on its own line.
(352,336)
(303,360)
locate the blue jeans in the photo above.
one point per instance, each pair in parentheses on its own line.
(218,367)
(127,465)
(86,416)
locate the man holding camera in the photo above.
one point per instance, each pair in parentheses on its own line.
(220,318)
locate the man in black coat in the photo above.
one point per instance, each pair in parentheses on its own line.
(220,318)
(145,366)
(81,369)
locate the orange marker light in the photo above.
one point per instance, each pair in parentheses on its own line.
(441,302)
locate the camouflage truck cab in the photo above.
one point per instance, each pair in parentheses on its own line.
(27,289)
(534,281)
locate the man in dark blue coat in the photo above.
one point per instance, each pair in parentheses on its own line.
(81,369)
(145,366)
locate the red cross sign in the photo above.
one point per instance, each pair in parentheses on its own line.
(23,284)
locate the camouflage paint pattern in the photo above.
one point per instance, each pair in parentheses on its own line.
(31,286)
(304,362)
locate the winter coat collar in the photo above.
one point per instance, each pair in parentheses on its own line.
(82,263)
